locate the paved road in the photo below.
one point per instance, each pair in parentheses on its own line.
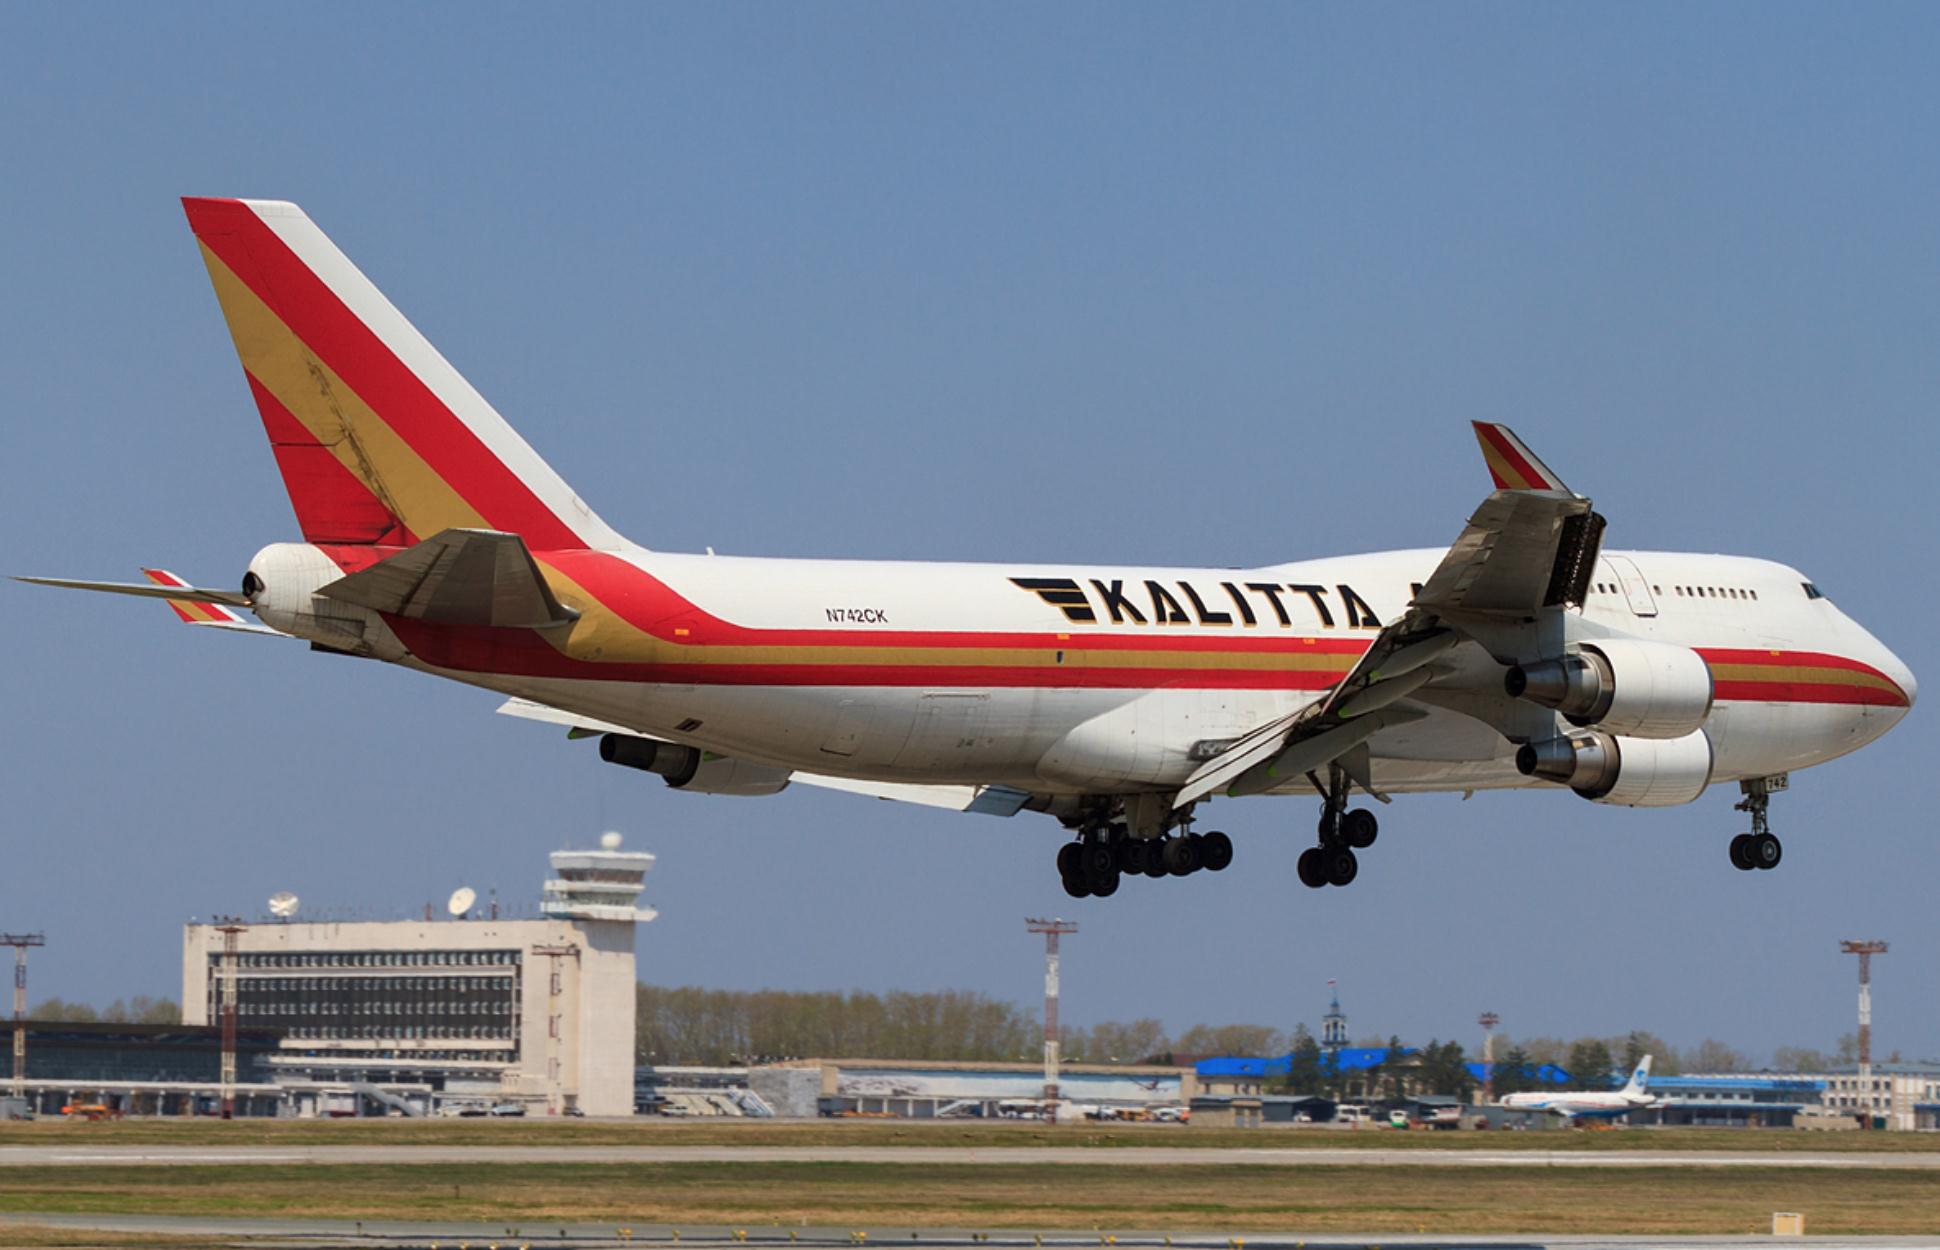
(231,1156)
(449,1235)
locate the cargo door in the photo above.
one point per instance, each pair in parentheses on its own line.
(1635,589)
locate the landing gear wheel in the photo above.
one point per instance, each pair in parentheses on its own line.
(1105,886)
(1341,866)
(1760,847)
(1181,856)
(1311,867)
(1358,828)
(1138,853)
(1069,863)
(1097,860)
(1155,860)
(1215,851)
(1076,887)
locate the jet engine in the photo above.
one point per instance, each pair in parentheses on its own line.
(692,769)
(1622,686)
(1631,772)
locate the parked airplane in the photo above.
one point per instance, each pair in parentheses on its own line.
(1119,701)
(1634,1096)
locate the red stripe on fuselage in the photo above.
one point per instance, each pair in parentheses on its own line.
(312,311)
(1806,692)
(523,653)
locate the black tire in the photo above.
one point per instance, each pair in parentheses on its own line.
(1342,867)
(1313,873)
(1077,887)
(1358,828)
(1181,857)
(1764,851)
(1329,826)
(1121,854)
(1215,851)
(1105,886)
(1097,860)
(1069,862)
(1138,853)
(1740,856)
(1155,861)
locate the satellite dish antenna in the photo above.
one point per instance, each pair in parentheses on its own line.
(462,899)
(283,904)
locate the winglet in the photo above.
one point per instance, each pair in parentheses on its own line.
(195,611)
(1511,463)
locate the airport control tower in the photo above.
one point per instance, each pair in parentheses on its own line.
(598,885)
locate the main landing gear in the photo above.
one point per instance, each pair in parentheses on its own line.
(1342,832)
(1760,848)
(1102,857)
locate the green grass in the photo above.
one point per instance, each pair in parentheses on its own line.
(1240,1199)
(980,1135)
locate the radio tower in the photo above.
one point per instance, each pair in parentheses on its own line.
(1865,951)
(231,928)
(20,942)
(1051,929)
(1488,1020)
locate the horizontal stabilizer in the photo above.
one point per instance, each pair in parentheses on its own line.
(458,577)
(148,590)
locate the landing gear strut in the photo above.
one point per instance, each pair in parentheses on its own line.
(1342,832)
(1106,853)
(1760,848)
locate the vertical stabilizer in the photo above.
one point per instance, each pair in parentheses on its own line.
(378,438)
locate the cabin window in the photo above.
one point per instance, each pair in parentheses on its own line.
(1811,591)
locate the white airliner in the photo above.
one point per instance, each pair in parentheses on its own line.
(1119,701)
(1634,1096)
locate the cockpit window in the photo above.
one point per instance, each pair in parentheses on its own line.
(1812,592)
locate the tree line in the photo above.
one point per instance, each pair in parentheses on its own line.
(690,1025)
(141,1009)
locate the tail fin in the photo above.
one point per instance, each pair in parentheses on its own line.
(378,438)
(1511,463)
(1640,1078)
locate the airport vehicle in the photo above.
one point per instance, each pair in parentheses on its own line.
(1592,1104)
(1119,701)
(90,1111)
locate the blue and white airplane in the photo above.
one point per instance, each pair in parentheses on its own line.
(1571,1105)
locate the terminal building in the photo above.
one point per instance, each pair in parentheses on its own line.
(423,1015)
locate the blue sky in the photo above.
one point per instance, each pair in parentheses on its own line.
(1201,285)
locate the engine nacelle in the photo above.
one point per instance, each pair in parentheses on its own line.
(1623,686)
(1631,772)
(692,769)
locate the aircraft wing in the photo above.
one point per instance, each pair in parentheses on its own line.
(458,577)
(1530,547)
(983,800)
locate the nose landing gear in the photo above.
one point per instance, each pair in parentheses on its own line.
(1760,848)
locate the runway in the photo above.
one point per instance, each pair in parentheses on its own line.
(451,1235)
(1136,1156)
